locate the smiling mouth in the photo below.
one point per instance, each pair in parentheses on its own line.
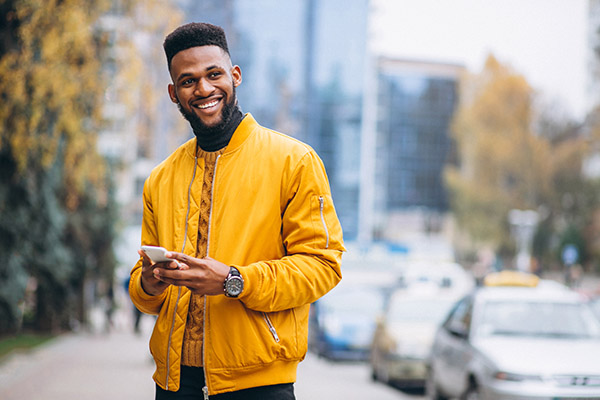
(207,105)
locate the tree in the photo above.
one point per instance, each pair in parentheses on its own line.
(51,95)
(503,165)
(61,61)
(515,154)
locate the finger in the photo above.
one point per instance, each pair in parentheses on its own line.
(170,280)
(164,273)
(182,257)
(145,259)
(168,264)
(173,282)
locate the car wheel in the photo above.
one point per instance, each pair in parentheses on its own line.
(431,390)
(374,376)
(472,392)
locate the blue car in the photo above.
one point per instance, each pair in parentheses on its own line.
(342,323)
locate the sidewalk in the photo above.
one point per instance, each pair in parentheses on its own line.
(117,366)
(84,366)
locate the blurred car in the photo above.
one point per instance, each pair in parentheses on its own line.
(404,333)
(595,304)
(448,275)
(517,339)
(342,322)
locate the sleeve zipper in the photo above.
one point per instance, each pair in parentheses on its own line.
(322,206)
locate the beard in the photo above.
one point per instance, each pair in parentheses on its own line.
(200,128)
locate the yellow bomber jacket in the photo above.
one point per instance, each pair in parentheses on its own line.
(273,218)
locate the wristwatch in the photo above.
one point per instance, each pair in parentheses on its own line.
(234,283)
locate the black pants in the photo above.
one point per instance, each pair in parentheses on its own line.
(192,382)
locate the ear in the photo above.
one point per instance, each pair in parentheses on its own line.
(236,75)
(173,93)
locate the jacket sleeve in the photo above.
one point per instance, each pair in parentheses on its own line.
(144,302)
(312,238)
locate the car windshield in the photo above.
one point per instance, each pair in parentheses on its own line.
(568,320)
(422,310)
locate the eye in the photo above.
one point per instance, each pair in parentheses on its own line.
(187,82)
(215,74)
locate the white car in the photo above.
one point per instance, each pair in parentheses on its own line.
(404,333)
(538,341)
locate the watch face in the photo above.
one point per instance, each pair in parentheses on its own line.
(235,284)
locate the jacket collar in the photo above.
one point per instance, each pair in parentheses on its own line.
(242,132)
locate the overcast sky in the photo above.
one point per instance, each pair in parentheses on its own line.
(545,40)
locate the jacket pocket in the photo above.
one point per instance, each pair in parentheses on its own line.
(271,326)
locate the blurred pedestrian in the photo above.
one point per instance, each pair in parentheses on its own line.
(137,314)
(251,212)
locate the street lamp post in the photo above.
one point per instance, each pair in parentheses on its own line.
(523,224)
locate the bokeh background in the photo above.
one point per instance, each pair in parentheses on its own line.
(465,131)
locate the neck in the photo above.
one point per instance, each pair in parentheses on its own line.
(216,140)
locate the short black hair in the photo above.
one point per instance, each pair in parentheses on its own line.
(192,35)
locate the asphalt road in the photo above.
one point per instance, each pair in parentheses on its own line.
(322,379)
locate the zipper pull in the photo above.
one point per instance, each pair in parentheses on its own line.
(322,206)
(205,392)
(274,333)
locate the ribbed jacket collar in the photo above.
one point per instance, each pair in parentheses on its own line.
(243,131)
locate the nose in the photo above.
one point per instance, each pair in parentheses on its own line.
(203,88)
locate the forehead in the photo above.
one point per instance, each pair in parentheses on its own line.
(199,58)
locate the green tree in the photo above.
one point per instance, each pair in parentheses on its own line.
(52,93)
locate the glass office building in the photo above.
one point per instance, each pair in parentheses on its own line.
(416,101)
(302,63)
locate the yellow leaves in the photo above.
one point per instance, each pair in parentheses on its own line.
(504,163)
(493,127)
(52,89)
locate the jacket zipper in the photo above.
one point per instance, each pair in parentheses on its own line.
(179,291)
(322,205)
(212,192)
(271,327)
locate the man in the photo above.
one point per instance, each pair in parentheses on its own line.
(251,212)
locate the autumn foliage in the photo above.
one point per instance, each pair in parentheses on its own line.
(515,154)
(56,208)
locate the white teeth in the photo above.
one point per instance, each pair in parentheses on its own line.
(207,105)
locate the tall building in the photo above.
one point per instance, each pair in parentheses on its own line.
(593,70)
(136,137)
(305,66)
(302,64)
(415,104)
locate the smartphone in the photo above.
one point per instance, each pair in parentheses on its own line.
(156,253)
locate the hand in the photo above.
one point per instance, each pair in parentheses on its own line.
(150,283)
(200,275)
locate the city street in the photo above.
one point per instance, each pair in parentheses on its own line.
(117,366)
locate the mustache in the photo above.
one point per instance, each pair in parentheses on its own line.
(200,128)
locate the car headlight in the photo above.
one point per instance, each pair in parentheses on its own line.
(413,350)
(508,376)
